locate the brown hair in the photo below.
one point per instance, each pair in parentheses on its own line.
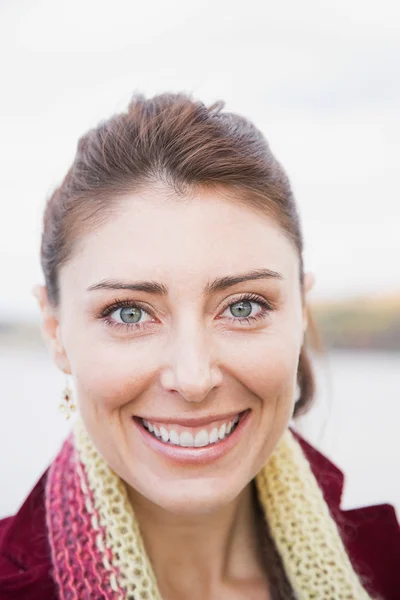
(184,145)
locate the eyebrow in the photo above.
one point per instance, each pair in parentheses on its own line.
(218,284)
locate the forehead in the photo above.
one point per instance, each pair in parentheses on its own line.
(152,234)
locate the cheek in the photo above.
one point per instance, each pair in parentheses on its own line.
(111,375)
(279,374)
(267,366)
(273,383)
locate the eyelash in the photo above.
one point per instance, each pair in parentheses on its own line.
(104,315)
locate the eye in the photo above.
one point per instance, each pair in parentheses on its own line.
(248,308)
(129,315)
(242,308)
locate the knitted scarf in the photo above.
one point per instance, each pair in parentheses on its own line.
(98,552)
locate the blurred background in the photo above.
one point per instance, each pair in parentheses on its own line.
(321,80)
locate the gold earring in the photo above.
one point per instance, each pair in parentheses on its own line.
(67,406)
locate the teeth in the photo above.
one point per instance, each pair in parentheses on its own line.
(164,434)
(214,435)
(174,437)
(201,439)
(186,438)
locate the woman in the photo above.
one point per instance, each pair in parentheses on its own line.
(175,296)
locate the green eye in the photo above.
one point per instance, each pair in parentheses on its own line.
(130,314)
(241,309)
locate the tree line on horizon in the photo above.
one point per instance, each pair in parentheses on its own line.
(370,323)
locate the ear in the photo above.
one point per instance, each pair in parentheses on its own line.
(309,282)
(50,329)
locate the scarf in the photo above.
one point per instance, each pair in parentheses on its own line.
(98,552)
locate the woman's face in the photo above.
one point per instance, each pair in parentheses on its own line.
(187,351)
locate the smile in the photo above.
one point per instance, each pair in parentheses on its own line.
(193,441)
(193,437)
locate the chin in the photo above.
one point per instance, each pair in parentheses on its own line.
(196,497)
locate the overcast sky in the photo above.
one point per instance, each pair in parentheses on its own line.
(321,79)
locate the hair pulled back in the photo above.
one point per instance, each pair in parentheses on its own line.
(178,142)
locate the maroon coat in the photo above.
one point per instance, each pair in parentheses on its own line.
(371,535)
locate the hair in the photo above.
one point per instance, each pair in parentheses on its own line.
(181,144)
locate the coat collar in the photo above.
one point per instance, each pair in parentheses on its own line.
(371,534)
(25,557)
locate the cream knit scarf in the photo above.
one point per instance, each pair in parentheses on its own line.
(98,552)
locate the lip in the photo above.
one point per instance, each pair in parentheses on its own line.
(193,422)
(194,456)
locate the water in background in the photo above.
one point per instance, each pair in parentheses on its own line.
(355,422)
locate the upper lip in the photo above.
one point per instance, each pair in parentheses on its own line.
(195,421)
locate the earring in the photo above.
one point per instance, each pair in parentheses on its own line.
(67,406)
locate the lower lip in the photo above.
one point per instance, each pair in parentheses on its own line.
(194,456)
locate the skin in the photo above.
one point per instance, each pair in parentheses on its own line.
(191,358)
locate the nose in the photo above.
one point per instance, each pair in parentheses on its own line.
(192,370)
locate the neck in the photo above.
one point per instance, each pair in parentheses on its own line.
(194,555)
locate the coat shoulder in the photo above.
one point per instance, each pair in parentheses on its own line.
(371,534)
(25,555)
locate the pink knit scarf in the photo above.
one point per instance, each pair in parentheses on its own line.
(82,564)
(90,562)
